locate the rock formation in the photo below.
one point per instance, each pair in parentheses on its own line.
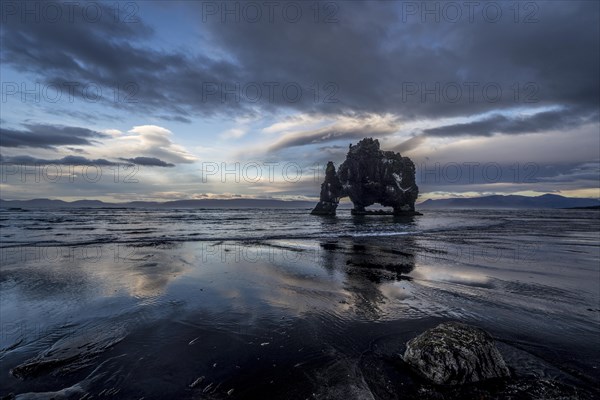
(368,176)
(331,191)
(454,353)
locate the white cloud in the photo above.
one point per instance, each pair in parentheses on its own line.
(302,122)
(305,129)
(150,141)
(112,132)
(233,133)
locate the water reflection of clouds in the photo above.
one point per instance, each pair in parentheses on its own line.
(349,278)
(147,274)
(345,279)
(456,274)
(292,287)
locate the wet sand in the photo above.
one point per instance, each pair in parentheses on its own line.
(298,318)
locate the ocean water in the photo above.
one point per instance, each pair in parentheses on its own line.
(262,303)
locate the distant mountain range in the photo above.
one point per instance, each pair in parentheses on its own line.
(497,201)
(198,203)
(510,201)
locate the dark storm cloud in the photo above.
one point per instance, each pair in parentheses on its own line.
(77,150)
(330,134)
(410,144)
(48,136)
(377,58)
(77,56)
(148,162)
(507,177)
(79,160)
(81,115)
(68,160)
(176,118)
(547,120)
(586,172)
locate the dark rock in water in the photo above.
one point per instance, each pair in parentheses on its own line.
(453,353)
(324,208)
(392,379)
(369,176)
(331,191)
(384,212)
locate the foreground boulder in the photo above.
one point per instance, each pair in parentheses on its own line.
(454,353)
(368,176)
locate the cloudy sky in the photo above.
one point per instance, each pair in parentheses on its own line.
(151,100)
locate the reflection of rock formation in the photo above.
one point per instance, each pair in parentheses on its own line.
(367,267)
(368,176)
(375,263)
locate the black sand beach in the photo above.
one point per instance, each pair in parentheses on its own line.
(180,310)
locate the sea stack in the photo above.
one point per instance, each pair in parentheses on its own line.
(369,176)
(331,191)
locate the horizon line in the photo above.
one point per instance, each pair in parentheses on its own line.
(278,199)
